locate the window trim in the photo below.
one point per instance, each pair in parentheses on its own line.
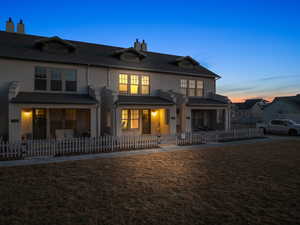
(49,79)
(185,88)
(129,119)
(129,84)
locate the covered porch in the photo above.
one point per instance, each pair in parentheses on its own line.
(206,115)
(144,115)
(53,116)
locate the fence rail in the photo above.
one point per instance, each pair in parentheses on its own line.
(50,148)
(44,148)
(218,136)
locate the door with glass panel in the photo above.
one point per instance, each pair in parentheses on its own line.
(39,124)
(146,121)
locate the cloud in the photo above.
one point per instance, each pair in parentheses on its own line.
(278,77)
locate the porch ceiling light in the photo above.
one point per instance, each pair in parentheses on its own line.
(154,113)
(27,112)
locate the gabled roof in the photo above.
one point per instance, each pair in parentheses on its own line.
(130,50)
(43,41)
(248,104)
(142,100)
(295,100)
(196,101)
(53,98)
(22,46)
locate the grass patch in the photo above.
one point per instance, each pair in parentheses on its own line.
(246,184)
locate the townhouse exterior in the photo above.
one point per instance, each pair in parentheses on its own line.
(248,112)
(287,107)
(55,88)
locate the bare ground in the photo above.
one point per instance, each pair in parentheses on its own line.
(246,184)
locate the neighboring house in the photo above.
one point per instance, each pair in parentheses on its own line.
(248,112)
(54,88)
(283,108)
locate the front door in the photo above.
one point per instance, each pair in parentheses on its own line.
(39,124)
(146,121)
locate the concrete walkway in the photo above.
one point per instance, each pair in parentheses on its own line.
(164,148)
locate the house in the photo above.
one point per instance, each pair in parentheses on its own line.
(283,108)
(248,112)
(55,88)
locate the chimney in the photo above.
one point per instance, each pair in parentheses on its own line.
(10,27)
(21,27)
(144,46)
(137,45)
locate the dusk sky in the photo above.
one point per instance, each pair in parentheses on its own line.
(253,45)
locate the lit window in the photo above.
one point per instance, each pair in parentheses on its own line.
(192,87)
(199,90)
(183,86)
(134,84)
(134,119)
(123,83)
(145,85)
(125,118)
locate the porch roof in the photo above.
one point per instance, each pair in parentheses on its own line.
(142,100)
(53,98)
(205,102)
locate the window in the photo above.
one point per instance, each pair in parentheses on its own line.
(192,87)
(123,83)
(40,79)
(145,85)
(59,79)
(125,119)
(70,80)
(134,119)
(199,90)
(130,119)
(56,80)
(183,86)
(134,84)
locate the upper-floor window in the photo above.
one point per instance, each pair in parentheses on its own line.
(191,87)
(134,84)
(183,86)
(199,90)
(123,83)
(145,85)
(40,81)
(55,79)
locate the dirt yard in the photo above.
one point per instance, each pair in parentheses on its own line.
(247,184)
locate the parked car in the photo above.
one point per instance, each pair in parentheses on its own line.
(280,126)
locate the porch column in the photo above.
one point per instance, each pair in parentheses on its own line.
(14,123)
(93,121)
(227,119)
(188,119)
(173,119)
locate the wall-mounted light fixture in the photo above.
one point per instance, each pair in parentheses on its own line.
(154,113)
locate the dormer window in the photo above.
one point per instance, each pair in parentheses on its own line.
(186,62)
(54,45)
(130,55)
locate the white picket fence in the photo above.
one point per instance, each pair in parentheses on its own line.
(44,148)
(218,136)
